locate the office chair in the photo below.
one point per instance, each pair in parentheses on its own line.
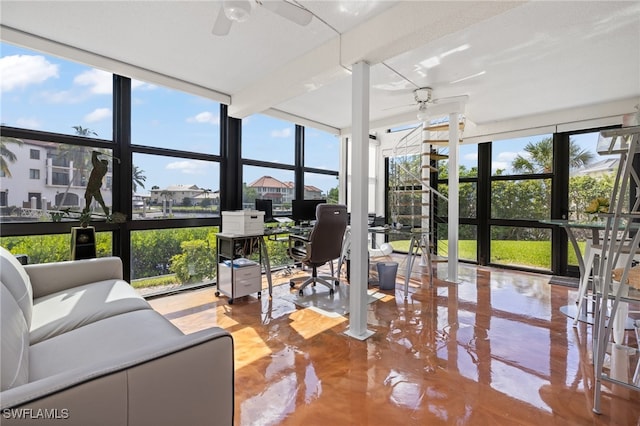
(324,244)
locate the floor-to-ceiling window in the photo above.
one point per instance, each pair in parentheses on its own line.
(321,164)
(521,174)
(507,187)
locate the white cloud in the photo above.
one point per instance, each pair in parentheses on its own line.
(29,123)
(471,157)
(284,133)
(20,71)
(99,82)
(188,167)
(137,84)
(97,114)
(507,156)
(60,97)
(205,117)
(495,165)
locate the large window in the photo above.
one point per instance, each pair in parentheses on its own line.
(166,259)
(166,118)
(268,139)
(321,149)
(321,186)
(173,188)
(270,183)
(522,172)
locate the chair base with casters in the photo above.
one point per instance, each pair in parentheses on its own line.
(326,280)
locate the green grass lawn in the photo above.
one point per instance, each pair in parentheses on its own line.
(532,254)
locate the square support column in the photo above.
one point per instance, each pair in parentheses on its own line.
(359,203)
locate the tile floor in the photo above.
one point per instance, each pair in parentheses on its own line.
(493,349)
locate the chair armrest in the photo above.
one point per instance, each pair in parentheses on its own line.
(47,278)
(294,252)
(178,381)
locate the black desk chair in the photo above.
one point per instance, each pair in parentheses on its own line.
(322,245)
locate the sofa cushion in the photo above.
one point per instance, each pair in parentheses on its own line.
(14,347)
(66,310)
(13,275)
(99,342)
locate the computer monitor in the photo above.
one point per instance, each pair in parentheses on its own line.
(265,205)
(305,210)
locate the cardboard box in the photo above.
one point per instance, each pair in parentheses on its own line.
(243,222)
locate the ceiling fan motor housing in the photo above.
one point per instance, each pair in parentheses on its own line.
(422,94)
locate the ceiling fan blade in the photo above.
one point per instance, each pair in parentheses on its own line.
(289,11)
(222,26)
(459,98)
(399,106)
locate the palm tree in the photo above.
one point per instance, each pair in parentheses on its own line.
(6,155)
(84,131)
(540,158)
(138,178)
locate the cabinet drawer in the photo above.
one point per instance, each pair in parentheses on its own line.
(245,287)
(247,273)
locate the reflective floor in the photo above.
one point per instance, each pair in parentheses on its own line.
(492,350)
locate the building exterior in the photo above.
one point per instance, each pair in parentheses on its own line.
(281,192)
(48,175)
(181,194)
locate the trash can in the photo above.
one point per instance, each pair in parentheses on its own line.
(387,275)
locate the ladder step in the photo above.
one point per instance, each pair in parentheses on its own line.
(439,141)
(435,156)
(442,127)
(427,166)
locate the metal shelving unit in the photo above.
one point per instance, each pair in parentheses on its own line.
(620,245)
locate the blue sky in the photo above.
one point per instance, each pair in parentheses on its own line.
(47,93)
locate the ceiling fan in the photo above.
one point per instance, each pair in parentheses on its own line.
(240,10)
(423,97)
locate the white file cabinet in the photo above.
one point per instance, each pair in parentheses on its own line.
(237,277)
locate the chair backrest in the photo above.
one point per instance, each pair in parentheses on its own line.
(327,233)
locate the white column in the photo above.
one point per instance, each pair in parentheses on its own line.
(454,175)
(359,202)
(34,203)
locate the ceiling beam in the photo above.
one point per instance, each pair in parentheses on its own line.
(397,30)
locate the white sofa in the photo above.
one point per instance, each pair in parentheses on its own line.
(81,347)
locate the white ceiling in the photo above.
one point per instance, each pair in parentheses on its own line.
(520,58)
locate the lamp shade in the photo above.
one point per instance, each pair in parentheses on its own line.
(237,10)
(422,112)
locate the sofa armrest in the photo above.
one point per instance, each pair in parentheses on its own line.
(47,278)
(186,380)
